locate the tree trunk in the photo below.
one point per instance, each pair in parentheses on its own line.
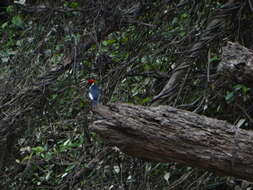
(167,134)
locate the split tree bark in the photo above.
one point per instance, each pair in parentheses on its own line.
(167,134)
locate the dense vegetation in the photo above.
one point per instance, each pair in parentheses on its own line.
(48,49)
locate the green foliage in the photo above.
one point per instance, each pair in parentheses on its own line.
(214,59)
(239,90)
(17,21)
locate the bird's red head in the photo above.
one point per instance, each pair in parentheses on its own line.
(91,81)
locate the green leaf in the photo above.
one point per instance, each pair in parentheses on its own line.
(175,20)
(48,156)
(214,59)
(229,97)
(17,21)
(38,149)
(9,9)
(108,42)
(54,96)
(145,100)
(245,90)
(19,43)
(182,34)
(4,25)
(238,86)
(184,15)
(124,40)
(73,5)
(147,67)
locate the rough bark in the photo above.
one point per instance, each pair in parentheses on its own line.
(167,134)
(237,63)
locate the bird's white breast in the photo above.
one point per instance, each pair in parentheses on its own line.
(90,96)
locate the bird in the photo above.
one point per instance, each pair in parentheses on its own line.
(94,92)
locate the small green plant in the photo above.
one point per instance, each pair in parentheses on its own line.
(238,90)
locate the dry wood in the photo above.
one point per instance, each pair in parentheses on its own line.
(237,63)
(171,85)
(167,134)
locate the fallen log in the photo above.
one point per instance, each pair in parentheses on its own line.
(166,134)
